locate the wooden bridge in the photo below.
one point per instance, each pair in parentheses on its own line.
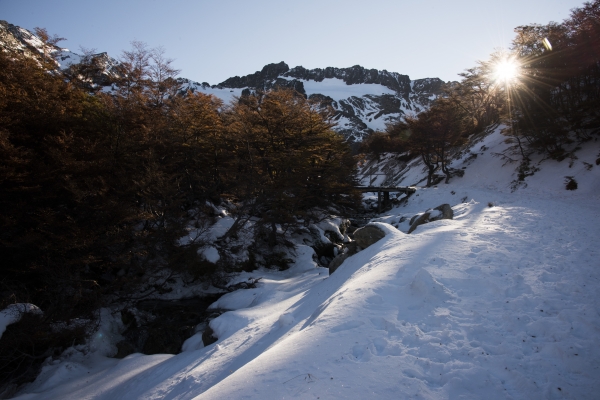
(384,191)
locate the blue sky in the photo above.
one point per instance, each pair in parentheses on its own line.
(213,40)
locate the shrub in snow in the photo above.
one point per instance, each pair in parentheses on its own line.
(571,184)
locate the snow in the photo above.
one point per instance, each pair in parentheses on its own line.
(331,225)
(210,254)
(216,230)
(226,95)
(13,312)
(193,343)
(338,90)
(501,302)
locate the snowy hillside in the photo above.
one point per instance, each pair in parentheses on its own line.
(501,302)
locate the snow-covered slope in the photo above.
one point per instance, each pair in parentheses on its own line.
(499,303)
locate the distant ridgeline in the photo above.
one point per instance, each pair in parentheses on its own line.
(364,99)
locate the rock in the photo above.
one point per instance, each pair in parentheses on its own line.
(418,220)
(124,348)
(257,80)
(350,249)
(412,220)
(336,262)
(440,212)
(446,210)
(368,235)
(162,326)
(207,336)
(358,111)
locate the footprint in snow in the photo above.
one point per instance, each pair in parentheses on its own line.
(361,353)
(478,249)
(438,261)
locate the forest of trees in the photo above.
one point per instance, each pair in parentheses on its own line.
(97,187)
(552,106)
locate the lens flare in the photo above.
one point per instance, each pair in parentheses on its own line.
(506,70)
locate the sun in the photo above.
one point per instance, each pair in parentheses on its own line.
(506,70)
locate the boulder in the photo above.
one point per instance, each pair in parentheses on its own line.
(350,249)
(412,220)
(446,211)
(368,235)
(440,212)
(418,220)
(336,262)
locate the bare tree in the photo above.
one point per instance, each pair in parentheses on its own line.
(163,76)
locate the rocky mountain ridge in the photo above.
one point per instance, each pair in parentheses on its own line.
(364,100)
(19,40)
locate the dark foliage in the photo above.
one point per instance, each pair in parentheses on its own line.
(557,100)
(393,140)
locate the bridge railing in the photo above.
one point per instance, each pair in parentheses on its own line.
(363,176)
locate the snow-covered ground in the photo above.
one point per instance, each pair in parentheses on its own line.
(502,302)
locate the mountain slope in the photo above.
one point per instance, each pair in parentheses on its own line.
(21,41)
(363,100)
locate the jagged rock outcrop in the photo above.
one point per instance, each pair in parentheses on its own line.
(19,40)
(257,80)
(358,114)
(100,69)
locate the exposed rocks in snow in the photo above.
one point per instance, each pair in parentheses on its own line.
(162,326)
(325,238)
(440,212)
(363,238)
(350,249)
(368,235)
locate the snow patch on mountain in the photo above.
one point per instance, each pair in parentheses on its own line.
(337,89)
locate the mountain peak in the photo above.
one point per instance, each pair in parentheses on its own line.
(255,80)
